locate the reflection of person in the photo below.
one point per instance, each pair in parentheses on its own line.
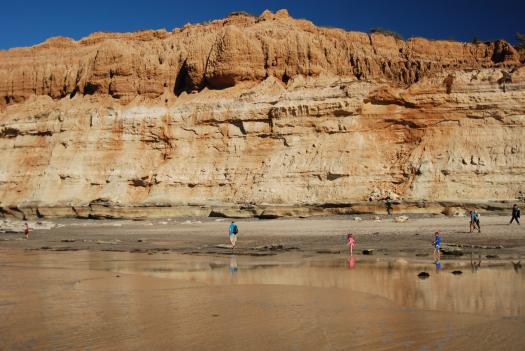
(438,265)
(350,241)
(515,214)
(233,264)
(233,233)
(437,245)
(475,265)
(351,262)
(26,230)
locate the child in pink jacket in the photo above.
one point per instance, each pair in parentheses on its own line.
(350,241)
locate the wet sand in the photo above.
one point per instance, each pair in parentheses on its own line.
(62,289)
(114,301)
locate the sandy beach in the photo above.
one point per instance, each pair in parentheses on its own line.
(410,240)
(290,284)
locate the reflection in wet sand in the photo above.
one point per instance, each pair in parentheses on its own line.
(438,265)
(351,262)
(491,291)
(233,264)
(76,301)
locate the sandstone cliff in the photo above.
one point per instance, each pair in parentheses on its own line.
(263,115)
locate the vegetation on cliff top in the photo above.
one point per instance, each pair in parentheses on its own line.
(386,32)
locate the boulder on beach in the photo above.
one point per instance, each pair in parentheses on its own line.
(423,275)
(401,219)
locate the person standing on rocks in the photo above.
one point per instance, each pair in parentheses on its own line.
(515,214)
(233,233)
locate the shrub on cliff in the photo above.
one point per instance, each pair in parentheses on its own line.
(476,41)
(386,32)
(521,41)
(240,13)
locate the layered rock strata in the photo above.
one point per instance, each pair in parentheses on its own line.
(258,116)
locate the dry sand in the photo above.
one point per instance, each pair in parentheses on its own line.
(410,240)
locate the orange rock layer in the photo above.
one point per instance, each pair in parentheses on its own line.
(224,52)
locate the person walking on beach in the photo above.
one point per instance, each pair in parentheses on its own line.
(388,204)
(437,246)
(474,221)
(350,241)
(26,230)
(233,233)
(515,214)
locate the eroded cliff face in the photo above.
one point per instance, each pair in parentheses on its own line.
(259,115)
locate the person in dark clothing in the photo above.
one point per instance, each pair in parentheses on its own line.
(388,204)
(515,214)
(26,230)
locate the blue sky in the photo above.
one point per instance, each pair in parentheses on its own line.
(24,23)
